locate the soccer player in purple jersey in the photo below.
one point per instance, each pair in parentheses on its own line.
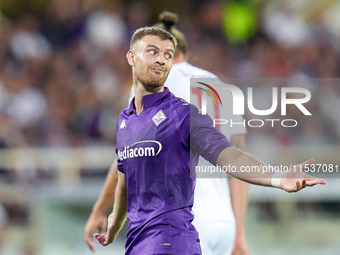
(220,203)
(159,139)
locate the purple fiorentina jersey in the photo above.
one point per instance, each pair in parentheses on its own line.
(155,152)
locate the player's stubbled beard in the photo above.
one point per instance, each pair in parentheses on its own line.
(149,78)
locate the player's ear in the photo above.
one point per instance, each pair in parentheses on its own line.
(130,58)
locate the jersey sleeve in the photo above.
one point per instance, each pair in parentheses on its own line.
(205,139)
(119,161)
(120,165)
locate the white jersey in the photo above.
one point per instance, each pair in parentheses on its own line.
(212,196)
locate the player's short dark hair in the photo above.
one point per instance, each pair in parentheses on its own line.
(167,21)
(161,33)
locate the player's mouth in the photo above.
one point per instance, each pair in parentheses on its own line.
(157,70)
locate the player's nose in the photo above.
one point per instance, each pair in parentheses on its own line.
(160,59)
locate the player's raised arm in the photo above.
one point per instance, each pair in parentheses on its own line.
(291,181)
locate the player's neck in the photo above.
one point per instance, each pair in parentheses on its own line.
(143,90)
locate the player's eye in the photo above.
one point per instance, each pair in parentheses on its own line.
(152,52)
(168,56)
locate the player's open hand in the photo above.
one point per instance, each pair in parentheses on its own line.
(296,179)
(108,237)
(97,220)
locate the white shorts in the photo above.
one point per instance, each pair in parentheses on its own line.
(216,237)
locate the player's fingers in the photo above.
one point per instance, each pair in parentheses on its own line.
(297,186)
(88,237)
(101,238)
(90,243)
(321,181)
(314,181)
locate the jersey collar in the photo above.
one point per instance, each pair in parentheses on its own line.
(149,100)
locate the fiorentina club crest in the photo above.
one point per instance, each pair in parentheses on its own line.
(159,118)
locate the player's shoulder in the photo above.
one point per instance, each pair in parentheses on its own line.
(192,71)
(181,108)
(124,114)
(176,102)
(178,105)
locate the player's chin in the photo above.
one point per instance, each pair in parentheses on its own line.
(156,82)
(159,78)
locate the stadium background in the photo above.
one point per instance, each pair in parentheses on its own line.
(64,80)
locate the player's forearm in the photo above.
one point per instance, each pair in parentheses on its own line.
(120,205)
(235,162)
(239,191)
(239,200)
(107,195)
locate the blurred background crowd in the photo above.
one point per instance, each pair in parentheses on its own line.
(64,77)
